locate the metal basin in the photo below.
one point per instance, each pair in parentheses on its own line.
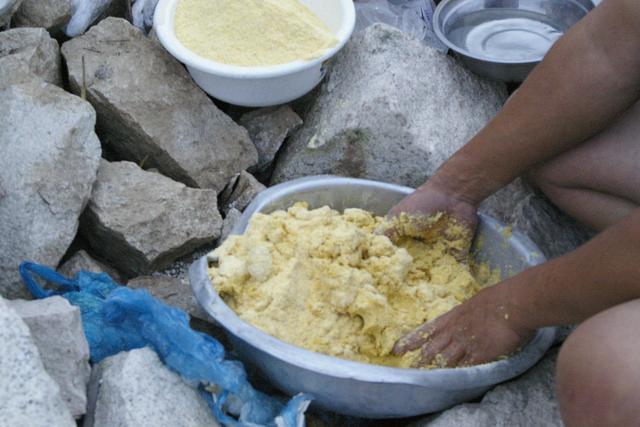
(505,39)
(360,389)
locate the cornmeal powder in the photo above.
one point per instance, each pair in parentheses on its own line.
(251,32)
(331,283)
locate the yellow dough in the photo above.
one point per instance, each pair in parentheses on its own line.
(331,283)
(251,32)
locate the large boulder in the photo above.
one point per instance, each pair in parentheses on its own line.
(28,394)
(140,221)
(56,328)
(36,48)
(50,14)
(391,109)
(134,388)
(151,112)
(527,401)
(50,157)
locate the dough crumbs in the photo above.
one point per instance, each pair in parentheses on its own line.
(331,283)
(251,32)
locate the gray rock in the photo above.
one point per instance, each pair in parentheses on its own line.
(135,389)
(28,394)
(530,212)
(230,221)
(391,109)
(35,47)
(151,112)
(49,163)
(56,328)
(172,291)
(50,14)
(268,128)
(82,261)
(7,9)
(140,221)
(240,191)
(527,401)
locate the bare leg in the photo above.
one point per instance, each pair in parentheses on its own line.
(599,370)
(598,182)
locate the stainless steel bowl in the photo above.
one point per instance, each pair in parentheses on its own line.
(505,39)
(360,389)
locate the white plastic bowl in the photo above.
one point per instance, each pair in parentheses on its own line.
(258,86)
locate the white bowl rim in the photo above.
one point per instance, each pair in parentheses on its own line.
(163,26)
(444,39)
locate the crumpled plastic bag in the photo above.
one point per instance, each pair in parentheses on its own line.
(87,11)
(142,13)
(116,318)
(413,17)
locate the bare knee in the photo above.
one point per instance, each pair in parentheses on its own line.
(598,379)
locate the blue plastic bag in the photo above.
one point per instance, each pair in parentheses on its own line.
(116,318)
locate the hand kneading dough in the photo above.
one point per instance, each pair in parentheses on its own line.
(329,283)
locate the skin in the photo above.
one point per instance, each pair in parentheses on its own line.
(574,132)
(599,370)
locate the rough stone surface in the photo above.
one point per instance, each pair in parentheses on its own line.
(240,191)
(230,221)
(151,112)
(7,9)
(56,329)
(141,221)
(82,261)
(527,401)
(172,291)
(268,128)
(530,212)
(50,157)
(391,109)
(50,14)
(35,47)
(135,389)
(28,395)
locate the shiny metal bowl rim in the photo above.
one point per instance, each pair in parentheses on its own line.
(444,39)
(443,378)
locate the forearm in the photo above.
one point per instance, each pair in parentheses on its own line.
(559,106)
(603,273)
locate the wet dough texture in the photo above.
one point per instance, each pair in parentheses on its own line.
(330,283)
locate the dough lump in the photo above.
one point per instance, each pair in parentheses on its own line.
(331,283)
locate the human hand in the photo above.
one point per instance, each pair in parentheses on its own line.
(480,330)
(431,199)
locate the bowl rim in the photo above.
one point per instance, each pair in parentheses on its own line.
(444,378)
(435,23)
(163,25)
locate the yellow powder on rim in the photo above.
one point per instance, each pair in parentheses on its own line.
(251,32)
(331,283)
